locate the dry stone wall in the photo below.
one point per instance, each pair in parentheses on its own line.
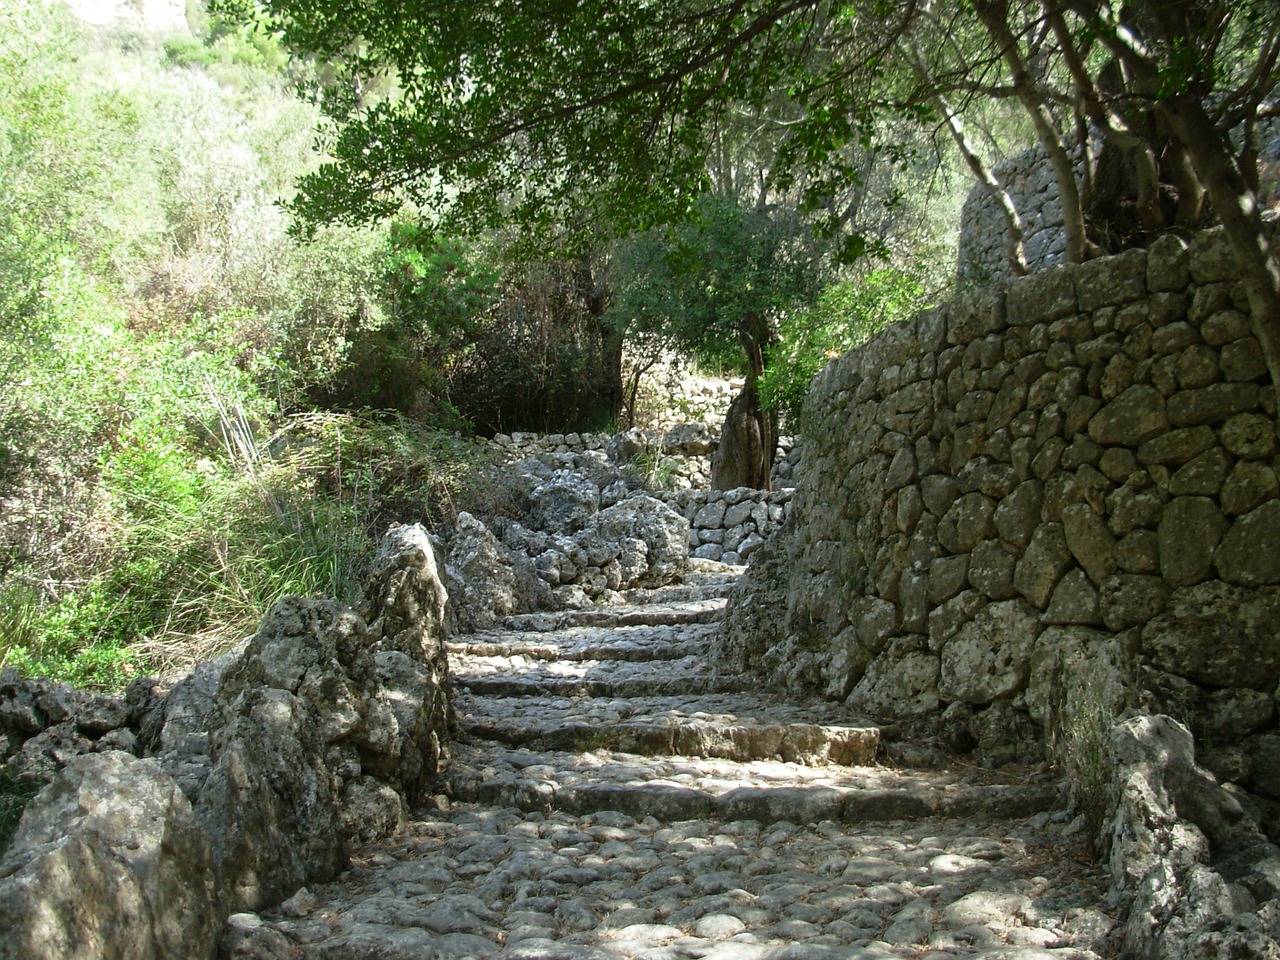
(1032,186)
(673,466)
(728,526)
(1073,474)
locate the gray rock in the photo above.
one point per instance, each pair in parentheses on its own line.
(1264,764)
(1248,486)
(246,937)
(1202,476)
(991,567)
(1132,418)
(1177,446)
(1174,894)
(900,682)
(1089,541)
(1189,533)
(967,523)
(1075,600)
(688,440)
(565,503)
(1018,515)
(710,515)
(487,570)
(1218,635)
(1131,600)
(1250,436)
(1046,559)
(1212,404)
(270,805)
(108,862)
(1248,552)
(663,532)
(989,657)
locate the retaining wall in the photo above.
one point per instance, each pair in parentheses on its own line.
(1032,186)
(1075,467)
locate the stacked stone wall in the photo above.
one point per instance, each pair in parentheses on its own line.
(730,525)
(675,464)
(1032,186)
(1074,467)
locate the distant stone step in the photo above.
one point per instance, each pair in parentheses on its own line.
(765,792)
(652,615)
(695,587)
(640,644)
(668,726)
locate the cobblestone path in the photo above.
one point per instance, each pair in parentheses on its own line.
(611,797)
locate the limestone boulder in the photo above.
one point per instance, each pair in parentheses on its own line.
(644,521)
(989,657)
(1170,815)
(688,440)
(565,503)
(270,804)
(1248,553)
(495,582)
(108,862)
(1218,635)
(405,598)
(902,682)
(191,708)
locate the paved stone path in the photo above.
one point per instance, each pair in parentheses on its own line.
(611,797)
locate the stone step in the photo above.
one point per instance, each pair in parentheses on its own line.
(695,587)
(640,644)
(519,677)
(649,615)
(711,725)
(682,789)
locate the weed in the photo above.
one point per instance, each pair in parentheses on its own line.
(654,470)
(1083,746)
(14,796)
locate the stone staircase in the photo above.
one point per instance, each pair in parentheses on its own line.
(611,796)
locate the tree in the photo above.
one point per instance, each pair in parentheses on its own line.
(547,112)
(715,285)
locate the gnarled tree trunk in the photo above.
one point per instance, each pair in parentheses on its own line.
(749,437)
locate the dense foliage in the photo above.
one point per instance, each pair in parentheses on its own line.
(183,385)
(199,410)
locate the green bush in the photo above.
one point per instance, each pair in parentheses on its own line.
(846,314)
(160,332)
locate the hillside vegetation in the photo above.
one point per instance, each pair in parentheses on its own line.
(200,412)
(165,470)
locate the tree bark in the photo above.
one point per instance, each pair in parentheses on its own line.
(994,15)
(749,437)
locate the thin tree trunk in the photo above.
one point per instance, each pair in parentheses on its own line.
(994,16)
(1236,205)
(1015,237)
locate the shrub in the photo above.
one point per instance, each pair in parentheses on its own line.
(846,314)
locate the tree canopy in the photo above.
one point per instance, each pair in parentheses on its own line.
(555,112)
(549,111)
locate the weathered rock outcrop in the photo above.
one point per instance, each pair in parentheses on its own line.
(109,863)
(1193,863)
(268,764)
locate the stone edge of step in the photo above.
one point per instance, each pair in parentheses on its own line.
(807,804)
